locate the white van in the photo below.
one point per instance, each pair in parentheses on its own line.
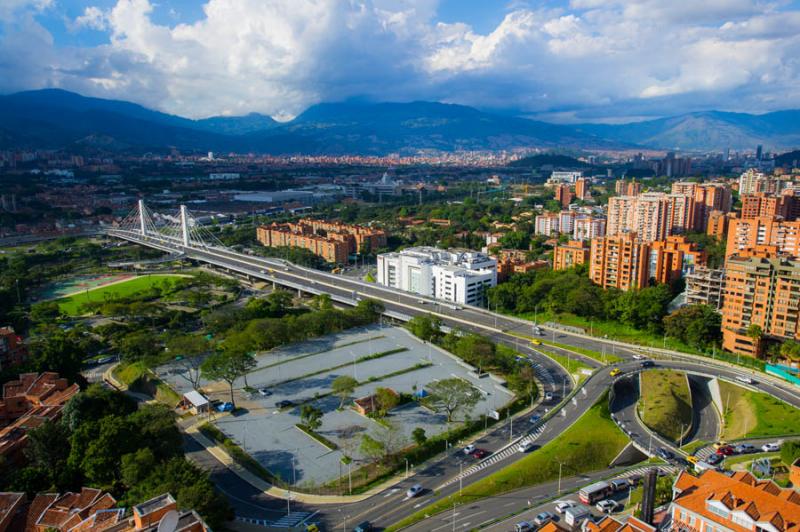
(573,516)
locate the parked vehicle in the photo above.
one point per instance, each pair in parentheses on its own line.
(607,506)
(542,518)
(692,459)
(620,484)
(225,407)
(575,515)
(285,403)
(714,459)
(595,492)
(771,447)
(414,490)
(726,450)
(704,466)
(745,448)
(264,392)
(563,506)
(719,444)
(523,526)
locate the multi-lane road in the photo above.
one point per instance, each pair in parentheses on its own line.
(438,477)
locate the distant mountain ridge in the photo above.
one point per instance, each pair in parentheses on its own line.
(54,118)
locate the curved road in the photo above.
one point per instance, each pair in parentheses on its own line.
(391,506)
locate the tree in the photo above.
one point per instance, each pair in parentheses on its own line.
(527,378)
(696,325)
(755,333)
(452,395)
(226,367)
(418,435)
(790,349)
(139,345)
(94,403)
(48,450)
(311,416)
(387,399)
(425,327)
(371,447)
(476,350)
(56,351)
(46,311)
(188,350)
(343,387)
(790,451)
(322,302)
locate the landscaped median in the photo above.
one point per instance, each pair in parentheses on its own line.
(665,404)
(322,440)
(750,414)
(590,444)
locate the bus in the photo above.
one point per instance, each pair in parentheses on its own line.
(595,492)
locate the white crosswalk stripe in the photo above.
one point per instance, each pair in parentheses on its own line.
(493,459)
(704,453)
(290,521)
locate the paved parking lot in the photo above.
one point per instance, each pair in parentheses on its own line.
(303,372)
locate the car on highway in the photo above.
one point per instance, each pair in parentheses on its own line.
(264,392)
(638,357)
(285,403)
(414,490)
(523,526)
(480,454)
(366,526)
(548,396)
(745,448)
(525,446)
(726,450)
(543,518)
(665,454)
(745,380)
(714,459)
(534,418)
(647,364)
(563,506)
(469,449)
(692,459)
(536,342)
(607,506)
(771,447)
(614,372)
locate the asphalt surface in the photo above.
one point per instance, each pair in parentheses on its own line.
(705,418)
(389,507)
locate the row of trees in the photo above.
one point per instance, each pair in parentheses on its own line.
(104,441)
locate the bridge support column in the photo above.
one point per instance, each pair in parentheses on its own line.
(142,226)
(185,226)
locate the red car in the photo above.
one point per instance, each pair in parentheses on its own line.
(726,450)
(480,453)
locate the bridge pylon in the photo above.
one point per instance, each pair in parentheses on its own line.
(185,226)
(142,225)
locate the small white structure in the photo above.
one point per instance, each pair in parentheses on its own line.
(458,276)
(195,402)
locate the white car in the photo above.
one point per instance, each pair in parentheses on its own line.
(563,506)
(638,357)
(525,446)
(771,447)
(469,448)
(548,396)
(607,506)
(414,490)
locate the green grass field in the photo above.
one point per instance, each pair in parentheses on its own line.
(71,306)
(140,379)
(588,445)
(755,415)
(666,402)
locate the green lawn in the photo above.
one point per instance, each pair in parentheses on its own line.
(755,415)
(588,445)
(665,404)
(138,378)
(571,364)
(71,305)
(606,358)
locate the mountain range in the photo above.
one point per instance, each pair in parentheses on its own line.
(54,118)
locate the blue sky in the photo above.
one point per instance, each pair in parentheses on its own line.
(560,60)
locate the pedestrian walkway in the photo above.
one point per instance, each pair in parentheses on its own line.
(502,454)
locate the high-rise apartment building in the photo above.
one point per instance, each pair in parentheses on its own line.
(673,258)
(563,195)
(718,224)
(571,254)
(752,182)
(746,234)
(705,287)
(619,261)
(708,197)
(588,227)
(547,224)
(627,188)
(761,205)
(566,221)
(581,188)
(653,216)
(761,288)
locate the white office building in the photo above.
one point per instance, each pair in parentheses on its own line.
(457,276)
(569,178)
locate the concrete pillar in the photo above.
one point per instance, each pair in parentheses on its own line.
(185,226)
(142,226)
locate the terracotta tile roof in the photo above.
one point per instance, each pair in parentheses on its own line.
(36,508)
(606,524)
(762,500)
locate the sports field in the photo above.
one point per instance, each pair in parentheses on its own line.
(124,287)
